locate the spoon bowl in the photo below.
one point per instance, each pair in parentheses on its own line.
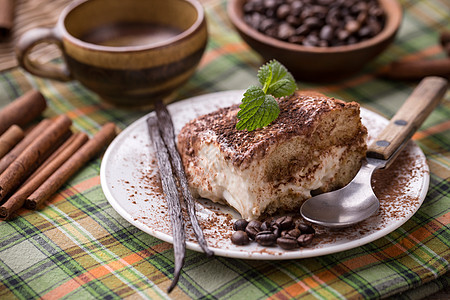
(346,206)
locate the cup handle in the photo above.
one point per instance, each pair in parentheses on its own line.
(26,44)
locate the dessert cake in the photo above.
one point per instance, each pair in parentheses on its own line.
(317,143)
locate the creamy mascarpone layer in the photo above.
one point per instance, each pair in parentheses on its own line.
(244,189)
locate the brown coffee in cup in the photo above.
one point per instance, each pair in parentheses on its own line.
(122,35)
(131,53)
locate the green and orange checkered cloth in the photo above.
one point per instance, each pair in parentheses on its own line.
(78,247)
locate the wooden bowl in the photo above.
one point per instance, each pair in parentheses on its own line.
(131,53)
(318,63)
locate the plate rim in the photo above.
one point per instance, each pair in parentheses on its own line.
(243,254)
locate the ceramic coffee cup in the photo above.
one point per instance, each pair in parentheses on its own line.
(131,53)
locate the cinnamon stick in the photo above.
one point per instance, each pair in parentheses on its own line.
(28,160)
(64,152)
(60,148)
(10,138)
(20,147)
(412,70)
(71,166)
(444,37)
(444,40)
(23,110)
(172,198)
(166,128)
(6,17)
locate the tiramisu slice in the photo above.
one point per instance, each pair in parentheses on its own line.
(316,143)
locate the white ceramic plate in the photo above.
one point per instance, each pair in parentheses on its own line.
(129,179)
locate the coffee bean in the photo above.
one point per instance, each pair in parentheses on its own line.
(240,238)
(326,33)
(305,228)
(271,13)
(266,24)
(311,40)
(360,7)
(240,224)
(270,3)
(283,11)
(256,6)
(313,22)
(343,34)
(253,228)
(352,40)
(319,11)
(296,39)
(287,243)
(266,238)
(362,17)
(352,26)
(276,230)
(374,26)
(365,31)
(272,31)
(293,20)
(284,222)
(322,43)
(294,232)
(376,11)
(303,30)
(248,7)
(331,18)
(297,6)
(265,226)
(305,239)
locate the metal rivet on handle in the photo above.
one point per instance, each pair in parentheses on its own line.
(383,143)
(400,122)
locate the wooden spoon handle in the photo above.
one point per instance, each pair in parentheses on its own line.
(425,97)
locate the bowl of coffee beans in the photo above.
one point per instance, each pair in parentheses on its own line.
(317,40)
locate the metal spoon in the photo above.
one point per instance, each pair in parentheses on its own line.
(356,201)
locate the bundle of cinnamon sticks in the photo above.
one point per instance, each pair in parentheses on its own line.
(36,162)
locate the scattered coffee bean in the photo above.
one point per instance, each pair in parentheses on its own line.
(253,228)
(287,242)
(316,23)
(284,222)
(305,228)
(240,224)
(266,238)
(294,232)
(305,239)
(265,226)
(276,230)
(240,238)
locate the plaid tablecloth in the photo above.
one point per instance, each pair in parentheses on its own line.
(78,246)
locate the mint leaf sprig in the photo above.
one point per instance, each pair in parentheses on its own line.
(259,107)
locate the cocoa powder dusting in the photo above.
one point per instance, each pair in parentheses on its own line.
(396,187)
